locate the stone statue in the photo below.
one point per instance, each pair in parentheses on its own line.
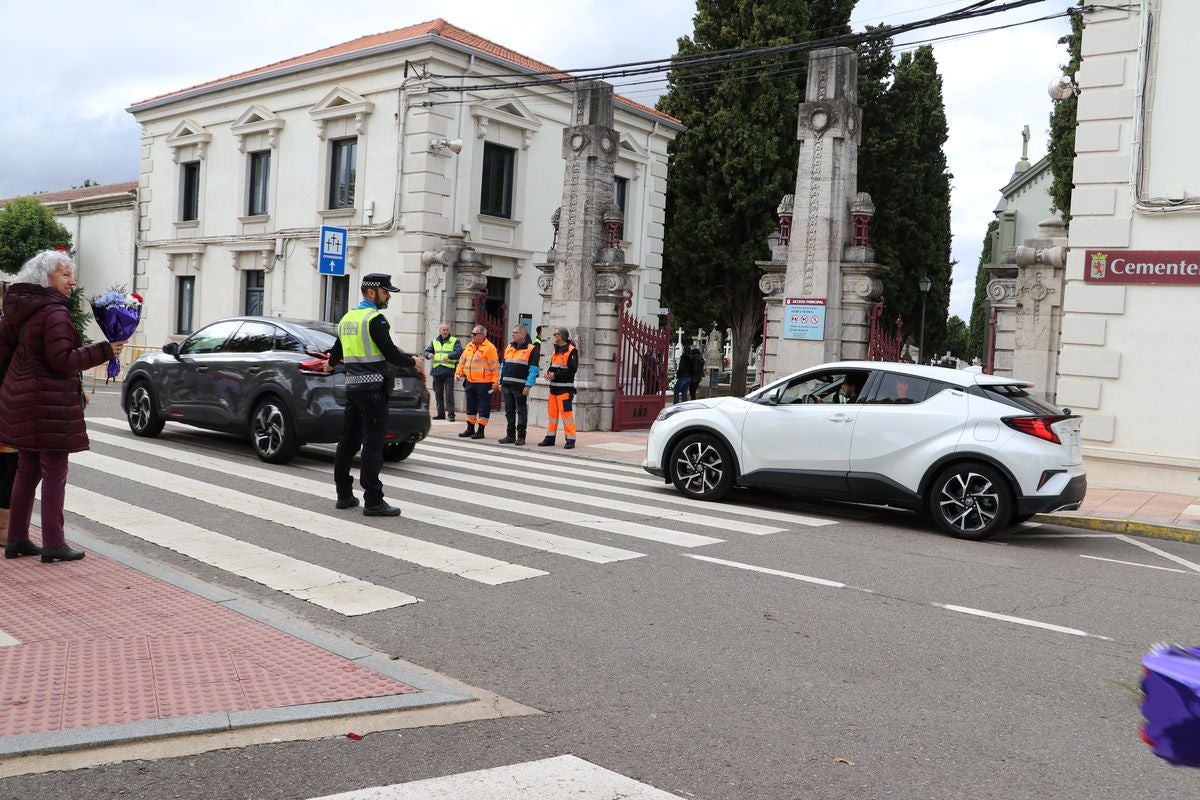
(714,352)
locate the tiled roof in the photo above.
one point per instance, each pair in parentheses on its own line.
(83,193)
(435,27)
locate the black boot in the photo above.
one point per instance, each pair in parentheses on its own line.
(520,438)
(570,445)
(60,553)
(509,437)
(18,549)
(479,429)
(546,442)
(469,432)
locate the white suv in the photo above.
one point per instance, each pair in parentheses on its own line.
(974,452)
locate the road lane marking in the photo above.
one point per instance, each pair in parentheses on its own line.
(546,779)
(1135,564)
(528,454)
(335,591)
(1183,562)
(1019,621)
(376,540)
(513,534)
(767,571)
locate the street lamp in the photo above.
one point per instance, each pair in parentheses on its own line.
(925,284)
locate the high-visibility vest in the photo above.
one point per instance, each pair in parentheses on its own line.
(365,365)
(559,361)
(441,353)
(517,360)
(480,363)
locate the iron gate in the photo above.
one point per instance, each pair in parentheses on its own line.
(641,363)
(884,346)
(497,331)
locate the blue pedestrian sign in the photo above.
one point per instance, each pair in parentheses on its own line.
(333,251)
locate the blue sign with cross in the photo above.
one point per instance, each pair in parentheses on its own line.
(333,251)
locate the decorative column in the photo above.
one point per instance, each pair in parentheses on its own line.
(1002,294)
(771,285)
(612,287)
(468,282)
(583,277)
(862,283)
(826,181)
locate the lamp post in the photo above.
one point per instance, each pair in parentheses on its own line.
(925,284)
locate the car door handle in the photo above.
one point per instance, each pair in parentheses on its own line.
(201,369)
(840,418)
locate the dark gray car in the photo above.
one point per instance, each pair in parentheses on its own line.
(263,377)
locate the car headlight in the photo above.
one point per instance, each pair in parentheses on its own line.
(671,411)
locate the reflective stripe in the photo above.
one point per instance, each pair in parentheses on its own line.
(354,331)
(517,362)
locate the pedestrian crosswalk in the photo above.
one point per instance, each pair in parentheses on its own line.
(570,509)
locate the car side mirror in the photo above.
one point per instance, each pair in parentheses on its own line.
(171,349)
(773,398)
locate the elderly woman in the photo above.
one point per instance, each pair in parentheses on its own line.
(41,399)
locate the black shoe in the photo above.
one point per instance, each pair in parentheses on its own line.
(60,553)
(509,439)
(469,432)
(520,441)
(347,502)
(478,432)
(18,549)
(570,445)
(440,416)
(381,510)
(450,418)
(547,442)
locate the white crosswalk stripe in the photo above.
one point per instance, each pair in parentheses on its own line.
(655,499)
(323,587)
(547,779)
(405,548)
(437,517)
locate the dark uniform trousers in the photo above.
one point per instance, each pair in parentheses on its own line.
(364,425)
(516,408)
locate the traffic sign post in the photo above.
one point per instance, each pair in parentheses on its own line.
(333,251)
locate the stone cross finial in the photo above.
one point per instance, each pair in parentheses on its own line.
(1025,143)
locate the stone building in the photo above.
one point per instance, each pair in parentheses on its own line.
(402,139)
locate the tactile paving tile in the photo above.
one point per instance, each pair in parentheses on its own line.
(179,699)
(31,692)
(100,692)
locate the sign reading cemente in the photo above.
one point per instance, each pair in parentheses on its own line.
(1175,267)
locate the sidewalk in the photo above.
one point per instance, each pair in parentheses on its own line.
(100,652)
(1165,516)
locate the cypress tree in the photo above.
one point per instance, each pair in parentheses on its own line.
(976,337)
(736,159)
(1062,125)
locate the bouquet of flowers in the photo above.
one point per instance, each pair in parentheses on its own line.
(1171,703)
(117,314)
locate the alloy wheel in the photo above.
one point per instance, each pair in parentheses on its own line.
(269,429)
(969,502)
(140,410)
(700,467)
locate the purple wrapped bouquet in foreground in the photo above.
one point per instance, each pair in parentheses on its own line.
(117,315)
(1171,703)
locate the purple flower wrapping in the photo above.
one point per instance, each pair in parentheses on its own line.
(1171,704)
(117,323)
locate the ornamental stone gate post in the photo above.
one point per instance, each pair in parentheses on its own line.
(1027,293)
(820,257)
(586,274)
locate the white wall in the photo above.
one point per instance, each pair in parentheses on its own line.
(103,241)
(1129,352)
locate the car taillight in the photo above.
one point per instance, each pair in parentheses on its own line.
(314,366)
(1036,426)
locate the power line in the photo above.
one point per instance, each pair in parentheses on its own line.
(976,10)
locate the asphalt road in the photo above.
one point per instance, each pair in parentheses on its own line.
(875,659)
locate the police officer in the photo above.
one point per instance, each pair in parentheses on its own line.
(365,345)
(518,371)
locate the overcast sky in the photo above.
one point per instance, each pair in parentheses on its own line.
(71,68)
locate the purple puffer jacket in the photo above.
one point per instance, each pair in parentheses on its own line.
(41,401)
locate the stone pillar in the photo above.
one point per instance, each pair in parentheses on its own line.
(771,285)
(862,283)
(441,291)
(1002,293)
(468,282)
(826,181)
(590,151)
(1041,268)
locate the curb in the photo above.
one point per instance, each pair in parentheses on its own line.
(1109,525)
